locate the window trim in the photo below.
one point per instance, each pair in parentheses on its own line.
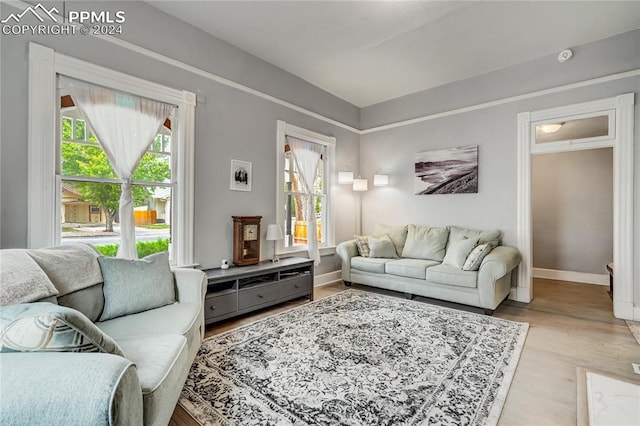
(283,130)
(43,212)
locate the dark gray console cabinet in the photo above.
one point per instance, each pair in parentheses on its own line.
(243,289)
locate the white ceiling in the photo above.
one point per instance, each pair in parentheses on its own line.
(370,51)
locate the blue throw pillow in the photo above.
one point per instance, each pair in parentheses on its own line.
(132,286)
(47,327)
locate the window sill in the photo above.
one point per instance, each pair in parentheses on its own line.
(324,251)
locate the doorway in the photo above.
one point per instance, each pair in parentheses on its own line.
(617,113)
(572,215)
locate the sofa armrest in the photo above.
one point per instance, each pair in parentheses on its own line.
(346,250)
(494,276)
(191,285)
(500,261)
(44,388)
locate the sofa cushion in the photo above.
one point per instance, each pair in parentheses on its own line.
(177,318)
(70,267)
(89,301)
(368,264)
(447,274)
(477,255)
(362,242)
(398,235)
(163,365)
(45,327)
(22,279)
(457,233)
(382,247)
(132,286)
(410,268)
(424,242)
(458,251)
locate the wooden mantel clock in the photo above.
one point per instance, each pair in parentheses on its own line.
(246,240)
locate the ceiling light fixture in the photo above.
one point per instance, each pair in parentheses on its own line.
(551,127)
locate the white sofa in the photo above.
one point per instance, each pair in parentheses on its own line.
(429,261)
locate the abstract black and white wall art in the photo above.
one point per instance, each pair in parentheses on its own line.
(447,171)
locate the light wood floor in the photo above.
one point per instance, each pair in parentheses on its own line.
(571,326)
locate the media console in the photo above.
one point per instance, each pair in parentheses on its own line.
(238,290)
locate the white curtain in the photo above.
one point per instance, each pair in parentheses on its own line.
(307,157)
(125,126)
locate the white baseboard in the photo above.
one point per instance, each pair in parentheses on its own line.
(328,278)
(579,277)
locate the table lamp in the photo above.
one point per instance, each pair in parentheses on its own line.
(274,233)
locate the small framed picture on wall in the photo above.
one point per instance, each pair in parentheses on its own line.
(240,176)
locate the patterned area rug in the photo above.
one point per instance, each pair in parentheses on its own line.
(357,358)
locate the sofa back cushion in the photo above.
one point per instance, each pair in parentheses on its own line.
(70,267)
(132,286)
(424,242)
(89,301)
(398,235)
(457,233)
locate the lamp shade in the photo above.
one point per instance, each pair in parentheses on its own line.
(274,232)
(345,177)
(380,180)
(360,185)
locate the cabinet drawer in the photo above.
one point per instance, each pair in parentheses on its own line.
(220,305)
(257,296)
(296,286)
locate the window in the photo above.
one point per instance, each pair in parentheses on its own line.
(296,199)
(292,198)
(91,190)
(43,214)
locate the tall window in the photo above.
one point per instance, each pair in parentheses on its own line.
(292,197)
(44,159)
(90,189)
(296,199)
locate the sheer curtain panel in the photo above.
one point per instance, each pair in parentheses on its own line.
(307,157)
(125,125)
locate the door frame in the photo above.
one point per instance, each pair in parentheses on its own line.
(623,188)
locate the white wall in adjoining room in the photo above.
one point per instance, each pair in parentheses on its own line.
(572,210)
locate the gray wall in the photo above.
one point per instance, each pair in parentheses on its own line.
(572,210)
(231,124)
(493,129)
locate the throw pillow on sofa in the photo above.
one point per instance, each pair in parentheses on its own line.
(424,242)
(382,247)
(474,260)
(457,233)
(132,286)
(398,235)
(47,327)
(458,251)
(362,241)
